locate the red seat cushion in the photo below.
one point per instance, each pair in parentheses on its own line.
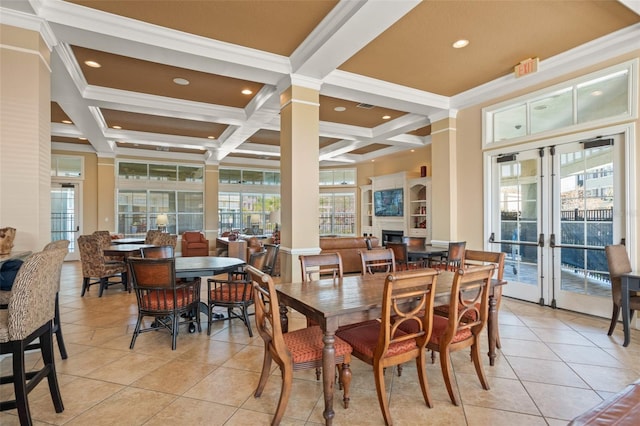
(232,293)
(306,345)
(364,339)
(440,326)
(163,300)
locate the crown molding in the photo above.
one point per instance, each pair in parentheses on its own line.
(27,21)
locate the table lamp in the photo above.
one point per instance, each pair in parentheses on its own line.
(255,223)
(162,221)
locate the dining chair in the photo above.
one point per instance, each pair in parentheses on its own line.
(323,265)
(96,269)
(453,259)
(56,327)
(157,252)
(377,261)
(618,263)
(296,350)
(470,299)
(385,343)
(29,316)
(271,258)
(161,297)
(478,258)
(401,255)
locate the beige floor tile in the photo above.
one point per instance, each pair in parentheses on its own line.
(517,332)
(411,409)
(584,355)
(363,410)
(605,378)
(304,397)
(130,406)
(212,352)
(561,402)
(247,417)
(481,416)
(569,337)
(249,358)
(175,377)
(78,396)
(138,366)
(86,362)
(545,371)
(193,412)
(504,394)
(529,349)
(546,321)
(226,386)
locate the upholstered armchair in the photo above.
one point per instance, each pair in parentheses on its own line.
(194,243)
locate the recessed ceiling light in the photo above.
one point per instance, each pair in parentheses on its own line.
(247,92)
(117,127)
(339,109)
(596,93)
(460,44)
(83,139)
(373,161)
(386,117)
(181,81)
(211,137)
(413,150)
(66,121)
(92,64)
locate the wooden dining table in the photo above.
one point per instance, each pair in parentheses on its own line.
(342,301)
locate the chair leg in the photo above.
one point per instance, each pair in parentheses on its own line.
(445,366)
(382,394)
(285,393)
(264,375)
(421,361)
(136,331)
(58,330)
(475,355)
(103,285)
(345,380)
(85,285)
(20,383)
(175,320)
(245,318)
(614,319)
(46,347)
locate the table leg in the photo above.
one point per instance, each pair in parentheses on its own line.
(328,375)
(284,319)
(492,328)
(626,320)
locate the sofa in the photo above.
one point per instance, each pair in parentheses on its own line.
(348,247)
(622,408)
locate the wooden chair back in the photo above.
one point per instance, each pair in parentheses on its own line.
(419,287)
(470,299)
(157,252)
(618,263)
(267,311)
(322,265)
(271,258)
(378,261)
(479,257)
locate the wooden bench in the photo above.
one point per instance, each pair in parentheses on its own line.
(621,409)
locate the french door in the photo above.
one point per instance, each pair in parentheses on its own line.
(552,214)
(65,215)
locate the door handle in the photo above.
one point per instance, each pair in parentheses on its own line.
(541,240)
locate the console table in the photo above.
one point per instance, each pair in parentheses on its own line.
(237,248)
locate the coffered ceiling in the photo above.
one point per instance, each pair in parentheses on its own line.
(385,69)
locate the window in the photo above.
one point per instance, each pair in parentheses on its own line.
(248,212)
(249,177)
(249,201)
(338,213)
(334,177)
(604,95)
(64,166)
(146,190)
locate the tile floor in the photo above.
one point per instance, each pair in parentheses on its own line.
(553,365)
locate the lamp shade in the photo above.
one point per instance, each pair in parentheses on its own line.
(162,220)
(255,219)
(274,216)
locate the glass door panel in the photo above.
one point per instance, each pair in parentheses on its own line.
(65,218)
